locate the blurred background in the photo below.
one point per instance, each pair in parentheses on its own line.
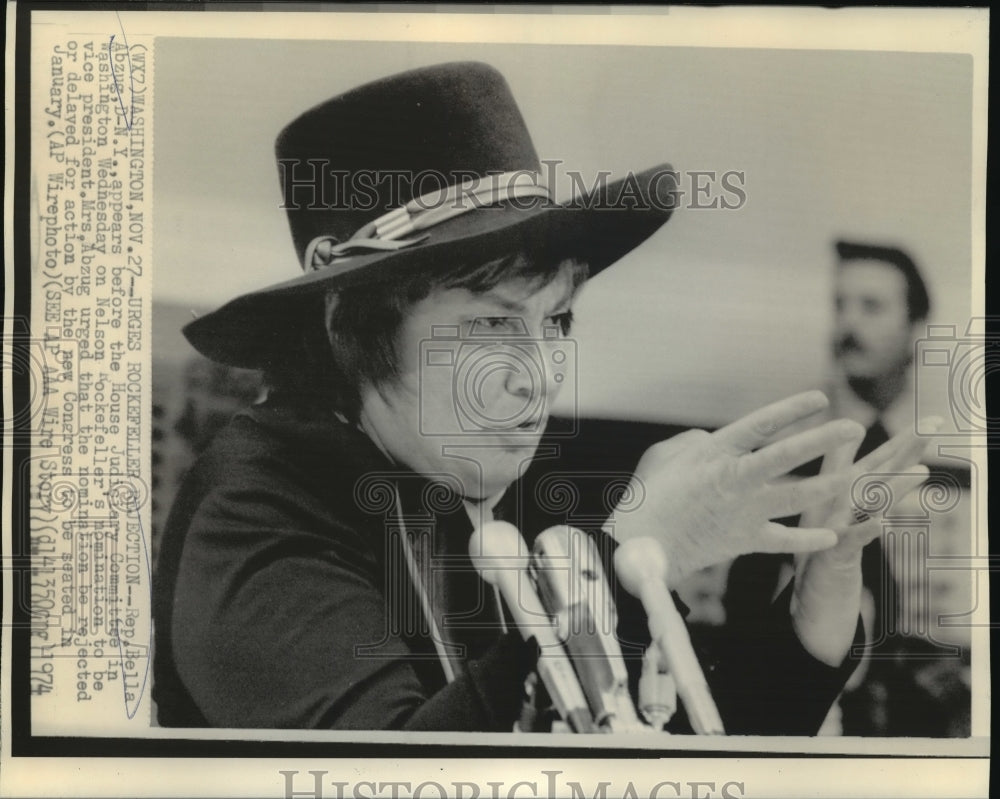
(718,313)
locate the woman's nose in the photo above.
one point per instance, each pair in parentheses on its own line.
(531,371)
(525,376)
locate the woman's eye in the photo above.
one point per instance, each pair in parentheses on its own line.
(515,325)
(493,325)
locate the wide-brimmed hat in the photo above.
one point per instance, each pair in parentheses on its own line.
(429,167)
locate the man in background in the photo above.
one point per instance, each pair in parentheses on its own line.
(906,685)
(910,687)
(881,305)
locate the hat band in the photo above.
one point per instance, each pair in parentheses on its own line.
(423,212)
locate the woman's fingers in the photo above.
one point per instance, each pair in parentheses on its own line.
(839,460)
(778,538)
(873,494)
(858,535)
(896,455)
(757,427)
(902,450)
(858,527)
(791,497)
(782,456)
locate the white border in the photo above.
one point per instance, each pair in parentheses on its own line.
(914,30)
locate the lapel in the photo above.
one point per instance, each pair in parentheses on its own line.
(435,600)
(459,617)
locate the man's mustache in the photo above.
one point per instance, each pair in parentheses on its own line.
(848,343)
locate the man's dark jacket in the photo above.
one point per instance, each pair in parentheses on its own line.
(282,599)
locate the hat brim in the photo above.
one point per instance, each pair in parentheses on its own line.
(599,228)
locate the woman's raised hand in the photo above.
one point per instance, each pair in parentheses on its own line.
(709,497)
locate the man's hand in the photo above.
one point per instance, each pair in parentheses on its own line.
(709,497)
(827,596)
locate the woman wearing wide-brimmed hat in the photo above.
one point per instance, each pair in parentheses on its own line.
(315,568)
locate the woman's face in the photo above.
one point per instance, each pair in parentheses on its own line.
(478,373)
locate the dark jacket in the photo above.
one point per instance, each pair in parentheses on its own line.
(282,599)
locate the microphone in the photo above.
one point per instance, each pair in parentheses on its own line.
(499,554)
(641,566)
(567,571)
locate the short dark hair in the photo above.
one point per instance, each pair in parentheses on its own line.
(918,301)
(348,339)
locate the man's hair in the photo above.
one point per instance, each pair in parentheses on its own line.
(349,338)
(918,301)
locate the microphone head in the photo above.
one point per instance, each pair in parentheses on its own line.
(557,539)
(566,561)
(496,548)
(639,561)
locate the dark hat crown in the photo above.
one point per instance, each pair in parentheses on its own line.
(364,176)
(357,156)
